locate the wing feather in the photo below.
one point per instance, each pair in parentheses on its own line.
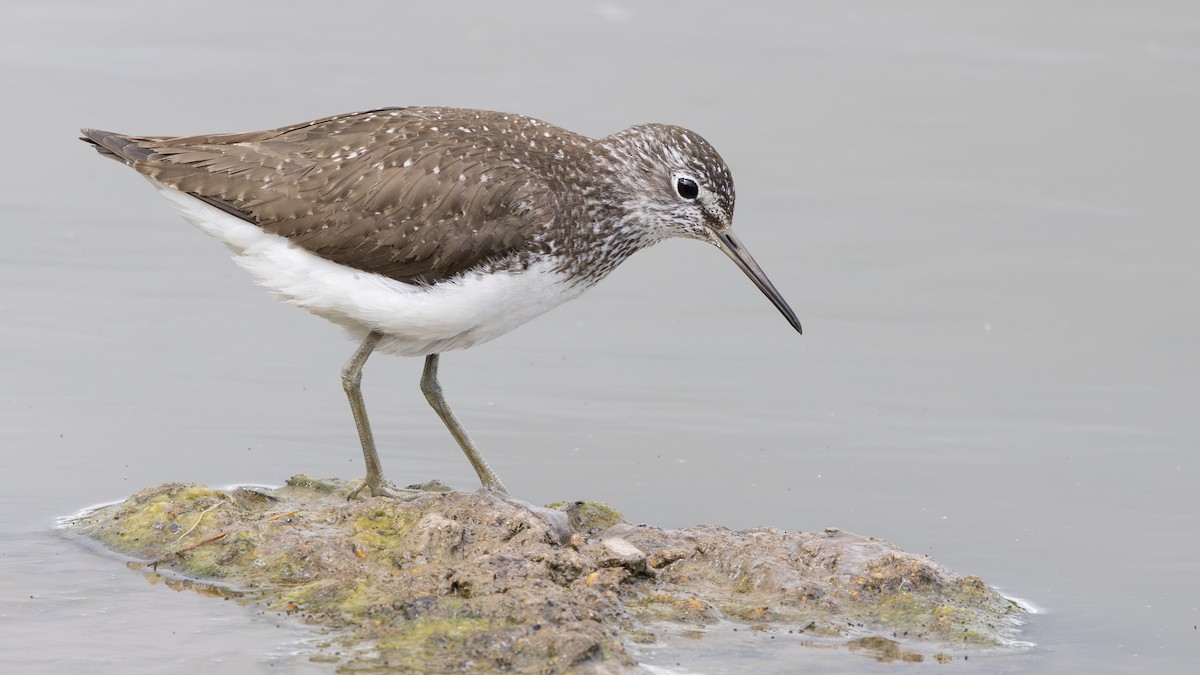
(379,191)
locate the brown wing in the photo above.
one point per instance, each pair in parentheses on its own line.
(415,194)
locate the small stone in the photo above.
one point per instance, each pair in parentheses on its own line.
(617,552)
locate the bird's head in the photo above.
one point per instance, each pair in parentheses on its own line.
(673,183)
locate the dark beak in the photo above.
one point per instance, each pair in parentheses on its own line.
(729,243)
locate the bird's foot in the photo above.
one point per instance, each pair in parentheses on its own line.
(385,488)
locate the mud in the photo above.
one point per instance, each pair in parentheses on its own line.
(478,582)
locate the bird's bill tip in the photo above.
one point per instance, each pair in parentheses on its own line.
(732,247)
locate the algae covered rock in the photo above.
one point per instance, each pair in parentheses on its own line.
(478,582)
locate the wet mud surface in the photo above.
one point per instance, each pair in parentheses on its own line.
(478,582)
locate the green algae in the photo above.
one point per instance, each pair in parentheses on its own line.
(588,517)
(376,530)
(417,645)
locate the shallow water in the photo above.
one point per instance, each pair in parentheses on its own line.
(984,217)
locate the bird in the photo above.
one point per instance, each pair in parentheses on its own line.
(424,230)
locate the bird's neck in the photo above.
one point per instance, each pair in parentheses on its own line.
(601,234)
(601,224)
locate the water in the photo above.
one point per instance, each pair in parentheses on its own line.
(984,216)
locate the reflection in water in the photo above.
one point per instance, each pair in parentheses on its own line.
(884,650)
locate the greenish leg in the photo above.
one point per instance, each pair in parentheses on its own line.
(351,382)
(433,394)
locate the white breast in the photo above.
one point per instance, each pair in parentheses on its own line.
(417,320)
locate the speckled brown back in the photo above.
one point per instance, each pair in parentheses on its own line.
(415,194)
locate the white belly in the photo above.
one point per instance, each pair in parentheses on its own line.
(416,320)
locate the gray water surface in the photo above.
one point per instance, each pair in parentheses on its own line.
(984,215)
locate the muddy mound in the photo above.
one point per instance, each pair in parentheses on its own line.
(478,582)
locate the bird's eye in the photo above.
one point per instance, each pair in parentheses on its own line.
(687,188)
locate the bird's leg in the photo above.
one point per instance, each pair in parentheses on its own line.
(433,394)
(351,380)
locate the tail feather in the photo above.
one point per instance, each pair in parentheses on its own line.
(116,146)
